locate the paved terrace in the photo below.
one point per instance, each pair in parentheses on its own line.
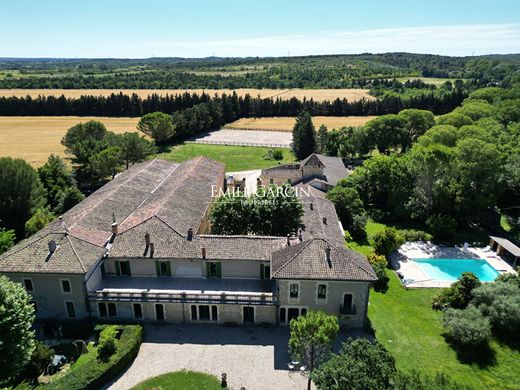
(402,261)
(178,289)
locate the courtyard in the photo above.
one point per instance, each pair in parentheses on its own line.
(252,357)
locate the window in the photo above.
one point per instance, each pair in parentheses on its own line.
(265,271)
(123,268)
(112,310)
(347,301)
(214,270)
(322,291)
(71,311)
(303,311)
(102,309)
(271,181)
(288,181)
(204,313)
(138,311)
(193,313)
(28,284)
(35,305)
(159,312)
(65,286)
(292,313)
(214,313)
(293,290)
(163,268)
(282,314)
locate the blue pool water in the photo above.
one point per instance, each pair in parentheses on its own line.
(451,269)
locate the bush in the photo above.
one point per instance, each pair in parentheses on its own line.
(107,342)
(93,373)
(500,302)
(468,327)
(382,278)
(359,365)
(415,235)
(278,154)
(443,227)
(386,241)
(459,295)
(40,359)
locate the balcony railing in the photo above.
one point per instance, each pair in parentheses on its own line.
(347,309)
(146,296)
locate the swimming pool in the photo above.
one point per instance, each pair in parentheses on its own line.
(451,269)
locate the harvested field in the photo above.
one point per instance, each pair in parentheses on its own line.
(34,138)
(287,123)
(316,94)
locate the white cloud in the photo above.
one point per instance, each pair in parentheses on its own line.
(449,40)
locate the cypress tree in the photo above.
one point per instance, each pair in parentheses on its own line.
(304,136)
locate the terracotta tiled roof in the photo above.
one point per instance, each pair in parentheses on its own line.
(308,260)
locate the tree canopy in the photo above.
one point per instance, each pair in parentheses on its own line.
(16,334)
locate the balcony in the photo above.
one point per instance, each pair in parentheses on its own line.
(347,309)
(185,290)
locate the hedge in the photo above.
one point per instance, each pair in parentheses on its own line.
(93,374)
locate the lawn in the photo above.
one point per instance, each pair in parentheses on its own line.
(407,326)
(364,247)
(236,158)
(181,380)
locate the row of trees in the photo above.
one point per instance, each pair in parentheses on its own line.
(454,172)
(232,105)
(331,71)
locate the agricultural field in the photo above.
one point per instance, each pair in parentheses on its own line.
(287,123)
(35,138)
(316,94)
(428,80)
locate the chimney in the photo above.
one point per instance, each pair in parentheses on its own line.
(114,228)
(300,234)
(203,250)
(288,240)
(152,248)
(52,246)
(190,234)
(324,220)
(327,256)
(312,206)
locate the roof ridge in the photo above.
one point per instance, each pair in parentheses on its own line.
(304,245)
(76,253)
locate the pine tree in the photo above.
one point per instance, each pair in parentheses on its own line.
(304,136)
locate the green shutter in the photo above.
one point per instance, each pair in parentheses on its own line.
(129,269)
(208,269)
(158,268)
(168,268)
(118,268)
(261,271)
(219,270)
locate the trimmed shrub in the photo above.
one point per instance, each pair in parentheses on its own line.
(386,241)
(107,342)
(415,235)
(467,328)
(93,373)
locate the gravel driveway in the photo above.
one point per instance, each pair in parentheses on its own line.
(253,357)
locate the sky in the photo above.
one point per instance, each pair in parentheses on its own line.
(234,28)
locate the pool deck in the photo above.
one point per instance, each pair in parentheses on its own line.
(414,277)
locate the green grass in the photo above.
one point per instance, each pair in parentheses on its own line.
(407,326)
(364,247)
(181,380)
(236,158)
